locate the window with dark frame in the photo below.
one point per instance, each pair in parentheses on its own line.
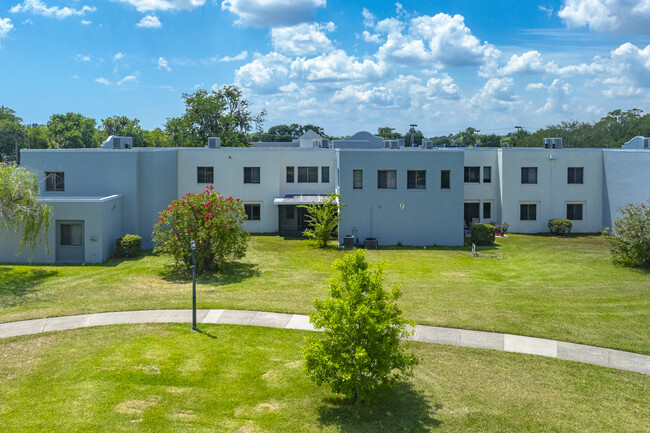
(290,176)
(252,212)
(575,175)
(416,179)
(71,235)
(204,174)
(472,174)
(487,210)
(251,175)
(357,179)
(528,212)
(574,211)
(529,175)
(445,178)
(487,174)
(386,179)
(325,174)
(307,174)
(54,181)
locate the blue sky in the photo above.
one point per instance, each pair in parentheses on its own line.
(343,65)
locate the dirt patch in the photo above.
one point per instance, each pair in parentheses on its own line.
(268,406)
(176,390)
(135,406)
(184,415)
(294,364)
(148,369)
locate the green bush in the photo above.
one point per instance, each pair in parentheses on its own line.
(482,234)
(560,226)
(128,246)
(630,238)
(323,219)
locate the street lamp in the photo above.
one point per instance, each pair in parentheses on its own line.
(413,125)
(193,247)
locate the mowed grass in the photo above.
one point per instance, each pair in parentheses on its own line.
(167,378)
(560,288)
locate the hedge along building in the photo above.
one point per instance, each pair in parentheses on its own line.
(413,196)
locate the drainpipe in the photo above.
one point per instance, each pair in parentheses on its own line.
(552,159)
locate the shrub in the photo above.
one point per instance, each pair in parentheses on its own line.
(323,219)
(560,226)
(360,349)
(482,234)
(128,246)
(630,237)
(211,220)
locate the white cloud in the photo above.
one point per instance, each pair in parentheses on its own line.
(5,27)
(75,77)
(149,22)
(337,66)
(368,18)
(535,86)
(632,63)
(38,7)
(548,11)
(163,5)
(374,38)
(163,65)
(86,22)
(129,79)
(272,13)
(442,87)
(241,56)
(117,57)
(389,25)
(265,74)
(557,101)
(82,58)
(530,62)
(102,80)
(303,39)
(617,16)
(403,50)
(496,95)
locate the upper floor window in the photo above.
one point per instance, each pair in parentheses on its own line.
(528,174)
(54,181)
(204,174)
(251,175)
(290,177)
(575,175)
(357,179)
(308,174)
(445,176)
(416,179)
(386,179)
(472,174)
(528,212)
(574,211)
(487,174)
(253,211)
(325,174)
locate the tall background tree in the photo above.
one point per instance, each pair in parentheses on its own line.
(12,134)
(72,130)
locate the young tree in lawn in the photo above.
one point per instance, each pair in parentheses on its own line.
(630,237)
(214,222)
(360,348)
(323,219)
(20,211)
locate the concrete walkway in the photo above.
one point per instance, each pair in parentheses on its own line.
(428,334)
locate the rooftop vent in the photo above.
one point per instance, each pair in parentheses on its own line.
(214,143)
(427,144)
(115,142)
(553,143)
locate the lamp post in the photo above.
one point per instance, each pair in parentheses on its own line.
(193,246)
(413,125)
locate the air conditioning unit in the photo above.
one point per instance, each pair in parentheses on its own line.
(325,143)
(400,143)
(115,142)
(553,143)
(427,144)
(214,142)
(395,144)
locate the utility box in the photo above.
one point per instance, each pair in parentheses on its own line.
(348,242)
(371,244)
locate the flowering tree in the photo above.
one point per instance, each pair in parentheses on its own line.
(630,237)
(211,220)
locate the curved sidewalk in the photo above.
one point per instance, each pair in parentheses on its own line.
(429,334)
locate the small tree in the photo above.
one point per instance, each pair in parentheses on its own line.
(211,220)
(362,326)
(323,219)
(630,237)
(20,209)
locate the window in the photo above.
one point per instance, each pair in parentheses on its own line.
(54,181)
(290,178)
(289,212)
(528,212)
(251,175)
(357,179)
(574,212)
(71,235)
(472,174)
(308,174)
(528,174)
(575,175)
(487,174)
(325,175)
(386,179)
(204,174)
(252,211)
(445,179)
(487,210)
(416,179)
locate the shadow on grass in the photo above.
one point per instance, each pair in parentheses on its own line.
(16,286)
(232,272)
(397,409)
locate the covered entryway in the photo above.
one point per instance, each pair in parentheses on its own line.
(292,219)
(70,242)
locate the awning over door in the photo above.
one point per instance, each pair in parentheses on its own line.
(299,199)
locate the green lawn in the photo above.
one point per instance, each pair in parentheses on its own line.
(245,379)
(559,288)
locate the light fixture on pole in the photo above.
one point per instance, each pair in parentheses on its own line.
(193,247)
(413,125)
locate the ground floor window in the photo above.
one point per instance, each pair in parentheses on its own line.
(574,211)
(528,212)
(487,210)
(71,235)
(253,211)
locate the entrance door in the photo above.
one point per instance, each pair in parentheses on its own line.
(472,212)
(70,242)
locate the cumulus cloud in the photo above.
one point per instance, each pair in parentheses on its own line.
(163,5)
(442,87)
(303,39)
(149,22)
(265,74)
(497,94)
(39,7)
(272,13)
(337,66)
(82,58)
(616,16)
(129,79)
(5,27)
(557,101)
(102,80)
(374,38)
(86,22)
(117,57)
(530,62)
(241,56)
(163,65)
(368,18)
